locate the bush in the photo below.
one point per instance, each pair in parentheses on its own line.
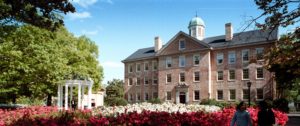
(216,103)
(155,101)
(281,104)
(30,101)
(114,101)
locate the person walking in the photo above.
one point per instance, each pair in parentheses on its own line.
(265,116)
(241,116)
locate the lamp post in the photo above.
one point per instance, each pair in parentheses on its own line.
(249,86)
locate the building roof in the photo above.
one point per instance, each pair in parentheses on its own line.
(239,39)
(243,38)
(196,21)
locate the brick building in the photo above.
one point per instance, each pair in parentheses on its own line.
(190,67)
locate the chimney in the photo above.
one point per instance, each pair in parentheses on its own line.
(158,44)
(228,32)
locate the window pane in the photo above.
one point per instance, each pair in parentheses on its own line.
(232,94)
(197,95)
(259,53)
(146,65)
(259,73)
(220,94)
(155,95)
(138,67)
(181,61)
(231,57)
(130,69)
(155,80)
(196,59)
(130,81)
(245,94)
(181,44)
(260,93)
(169,78)
(219,58)
(182,77)
(154,65)
(146,80)
(196,76)
(245,54)
(146,96)
(168,62)
(138,81)
(169,95)
(245,73)
(231,74)
(220,75)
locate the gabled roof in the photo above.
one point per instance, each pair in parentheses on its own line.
(140,54)
(186,35)
(243,38)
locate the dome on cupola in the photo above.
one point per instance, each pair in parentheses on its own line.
(196,21)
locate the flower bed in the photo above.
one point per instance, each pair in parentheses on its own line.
(136,114)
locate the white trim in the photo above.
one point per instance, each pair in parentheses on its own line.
(154,78)
(166,61)
(145,66)
(262,94)
(136,83)
(218,75)
(130,65)
(262,73)
(145,77)
(229,94)
(194,76)
(243,74)
(128,81)
(209,76)
(243,51)
(256,49)
(136,67)
(220,55)
(217,98)
(180,77)
(194,59)
(154,62)
(167,78)
(195,95)
(229,56)
(180,58)
(167,96)
(179,43)
(229,75)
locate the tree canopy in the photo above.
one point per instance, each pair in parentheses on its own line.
(40,13)
(34,60)
(115,93)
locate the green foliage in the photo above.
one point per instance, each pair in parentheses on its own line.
(115,93)
(216,103)
(281,104)
(33,61)
(115,101)
(30,101)
(155,101)
(44,14)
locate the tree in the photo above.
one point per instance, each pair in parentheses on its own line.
(115,93)
(283,58)
(34,60)
(40,13)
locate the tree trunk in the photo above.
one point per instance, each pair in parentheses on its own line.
(49,100)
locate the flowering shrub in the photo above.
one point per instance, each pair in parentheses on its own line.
(136,114)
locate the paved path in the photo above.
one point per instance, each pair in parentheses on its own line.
(294,119)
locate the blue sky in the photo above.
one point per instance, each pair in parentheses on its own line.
(120,27)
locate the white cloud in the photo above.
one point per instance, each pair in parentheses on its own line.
(86,32)
(78,15)
(112,64)
(85,3)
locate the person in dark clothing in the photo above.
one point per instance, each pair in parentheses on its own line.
(265,115)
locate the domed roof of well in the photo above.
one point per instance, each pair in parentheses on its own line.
(196,21)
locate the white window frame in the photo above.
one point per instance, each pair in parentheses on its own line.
(229,75)
(168,60)
(231,55)
(262,72)
(183,76)
(244,73)
(145,66)
(130,66)
(218,95)
(194,76)
(137,97)
(179,44)
(220,56)
(244,93)
(243,53)
(137,81)
(194,59)
(138,64)
(219,75)
(145,96)
(167,95)
(129,81)
(194,95)
(146,78)
(256,53)
(229,93)
(262,93)
(154,78)
(167,78)
(154,63)
(182,60)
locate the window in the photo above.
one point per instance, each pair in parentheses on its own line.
(196,59)
(181,61)
(231,74)
(169,95)
(138,96)
(219,58)
(245,55)
(146,80)
(181,45)
(220,95)
(155,95)
(146,66)
(220,75)
(154,65)
(232,94)
(259,53)
(196,95)
(169,78)
(130,97)
(245,73)
(130,81)
(130,68)
(138,81)
(197,76)
(146,96)
(245,94)
(182,77)
(168,62)
(259,73)
(260,93)
(231,57)
(138,67)
(155,80)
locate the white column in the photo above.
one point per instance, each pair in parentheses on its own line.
(177,97)
(66,97)
(61,96)
(71,95)
(82,97)
(187,97)
(89,97)
(79,97)
(58,96)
